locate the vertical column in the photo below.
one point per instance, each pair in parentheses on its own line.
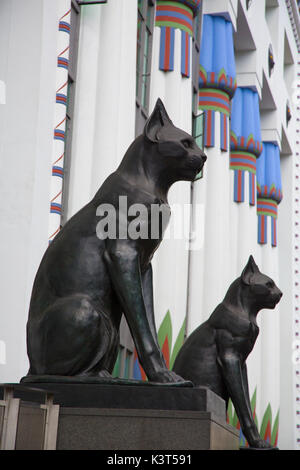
(245,148)
(171,70)
(63,41)
(211,264)
(269,195)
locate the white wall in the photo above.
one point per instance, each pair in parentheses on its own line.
(28,64)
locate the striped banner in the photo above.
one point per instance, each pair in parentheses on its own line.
(171,16)
(59,132)
(267,208)
(212,100)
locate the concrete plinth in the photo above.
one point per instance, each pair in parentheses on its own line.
(138,417)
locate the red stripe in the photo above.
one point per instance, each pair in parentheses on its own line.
(167,49)
(171,19)
(239,195)
(212,103)
(202,76)
(262,229)
(225,131)
(208,128)
(269,211)
(173,8)
(253,188)
(68,47)
(242,141)
(271,204)
(65,14)
(247,165)
(214,94)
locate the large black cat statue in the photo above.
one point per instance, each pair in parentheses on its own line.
(215,354)
(86,281)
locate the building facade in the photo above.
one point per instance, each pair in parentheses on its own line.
(78,80)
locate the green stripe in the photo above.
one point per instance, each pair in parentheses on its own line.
(263,212)
(267,199)
(216,90)
(175,4)
(215,108)
(245,154)
(241,167)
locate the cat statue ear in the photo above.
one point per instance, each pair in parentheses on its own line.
(158,119)
(250,269)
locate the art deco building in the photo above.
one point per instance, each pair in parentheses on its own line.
(78,81)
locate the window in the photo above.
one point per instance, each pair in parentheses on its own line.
(143,61)
(72,68)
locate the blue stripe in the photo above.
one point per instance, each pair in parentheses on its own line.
(212,98)
(162,47)
(238,161)
(174,14)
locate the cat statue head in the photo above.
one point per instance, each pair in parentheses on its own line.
(259,287)
(178,155)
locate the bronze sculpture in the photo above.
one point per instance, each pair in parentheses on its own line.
(85,282)
(215,354)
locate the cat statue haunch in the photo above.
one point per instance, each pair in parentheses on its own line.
(215,354)
(85,282)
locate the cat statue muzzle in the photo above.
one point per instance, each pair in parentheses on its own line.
(85,283)
(215,354)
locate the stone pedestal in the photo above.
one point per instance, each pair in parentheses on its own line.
(139,417)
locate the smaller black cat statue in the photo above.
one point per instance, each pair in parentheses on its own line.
(215,354)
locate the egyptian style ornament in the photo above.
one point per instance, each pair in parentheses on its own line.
(86,281)
(245,142)
(217,76)
(269,191)
(215,354)
(172,15)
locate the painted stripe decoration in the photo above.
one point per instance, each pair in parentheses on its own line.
(267,208)
(239,163)
(171,16)
(166,55)
(55,208)
(64,26)
(58,171)
(57,167)
(219,80)
(247,144)
(175,15)
(215,100)
(212,100)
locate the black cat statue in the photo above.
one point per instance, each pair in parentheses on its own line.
(215,354)
(86,281)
